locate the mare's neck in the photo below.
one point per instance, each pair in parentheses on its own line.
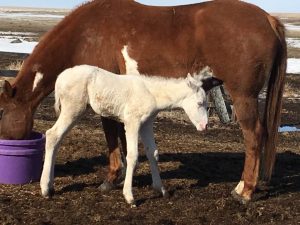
(169,93)
(38,74)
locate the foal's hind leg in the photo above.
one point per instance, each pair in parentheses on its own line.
(54,137)
(248,118)
(147,136)
(132,132)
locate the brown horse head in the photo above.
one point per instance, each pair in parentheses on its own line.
(16,119)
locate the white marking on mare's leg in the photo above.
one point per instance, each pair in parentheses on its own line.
(239,188)
(130,64)
(38,77)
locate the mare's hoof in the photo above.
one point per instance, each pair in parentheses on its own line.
(107,186)
(161,191)
(239,198)
(48,194)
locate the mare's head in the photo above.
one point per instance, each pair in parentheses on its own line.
(195,105)
(15,118)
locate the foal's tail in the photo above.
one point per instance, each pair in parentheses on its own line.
(272,112)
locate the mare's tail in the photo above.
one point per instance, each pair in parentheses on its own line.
(273,106)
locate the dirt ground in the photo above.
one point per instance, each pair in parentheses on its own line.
(198,169)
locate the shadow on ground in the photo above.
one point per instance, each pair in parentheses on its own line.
(210,167)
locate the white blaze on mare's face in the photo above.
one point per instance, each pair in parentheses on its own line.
(38,77)
(130,64)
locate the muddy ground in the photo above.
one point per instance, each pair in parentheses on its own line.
(198,169)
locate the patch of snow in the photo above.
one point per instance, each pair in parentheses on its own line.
(23,47)
(293,42)
(10,33)
(293,65)
(29,15)
(289,26)
(288,129)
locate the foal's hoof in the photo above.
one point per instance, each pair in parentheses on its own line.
(239,198)
(133,205)
(107,186)
(49,193)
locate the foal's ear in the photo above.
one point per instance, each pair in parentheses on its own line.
(191,82)
(210,82)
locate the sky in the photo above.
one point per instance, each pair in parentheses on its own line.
(268,5)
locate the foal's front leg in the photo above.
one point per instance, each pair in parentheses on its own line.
(147,137)
(132,130)
(54,137)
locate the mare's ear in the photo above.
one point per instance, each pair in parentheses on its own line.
(210,82)
(6,89)
(191,82)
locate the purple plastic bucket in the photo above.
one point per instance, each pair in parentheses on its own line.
(21,161)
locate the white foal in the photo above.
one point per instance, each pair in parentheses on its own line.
(133,99)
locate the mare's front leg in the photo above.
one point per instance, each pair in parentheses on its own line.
(54,137)
(112,130)
(147,136)
(132,131)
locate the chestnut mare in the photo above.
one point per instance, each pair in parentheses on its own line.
(242,44)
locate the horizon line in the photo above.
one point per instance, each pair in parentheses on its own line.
(71,8)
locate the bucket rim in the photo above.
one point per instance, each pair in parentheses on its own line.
(35,139)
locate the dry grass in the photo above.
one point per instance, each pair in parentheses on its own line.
(293,52)
(287,15)
(288,90)
(9,79)
(293,34)
(17,65)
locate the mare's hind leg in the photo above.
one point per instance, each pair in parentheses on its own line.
(248,118)
(111,130)
(147,136)
(54,137)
